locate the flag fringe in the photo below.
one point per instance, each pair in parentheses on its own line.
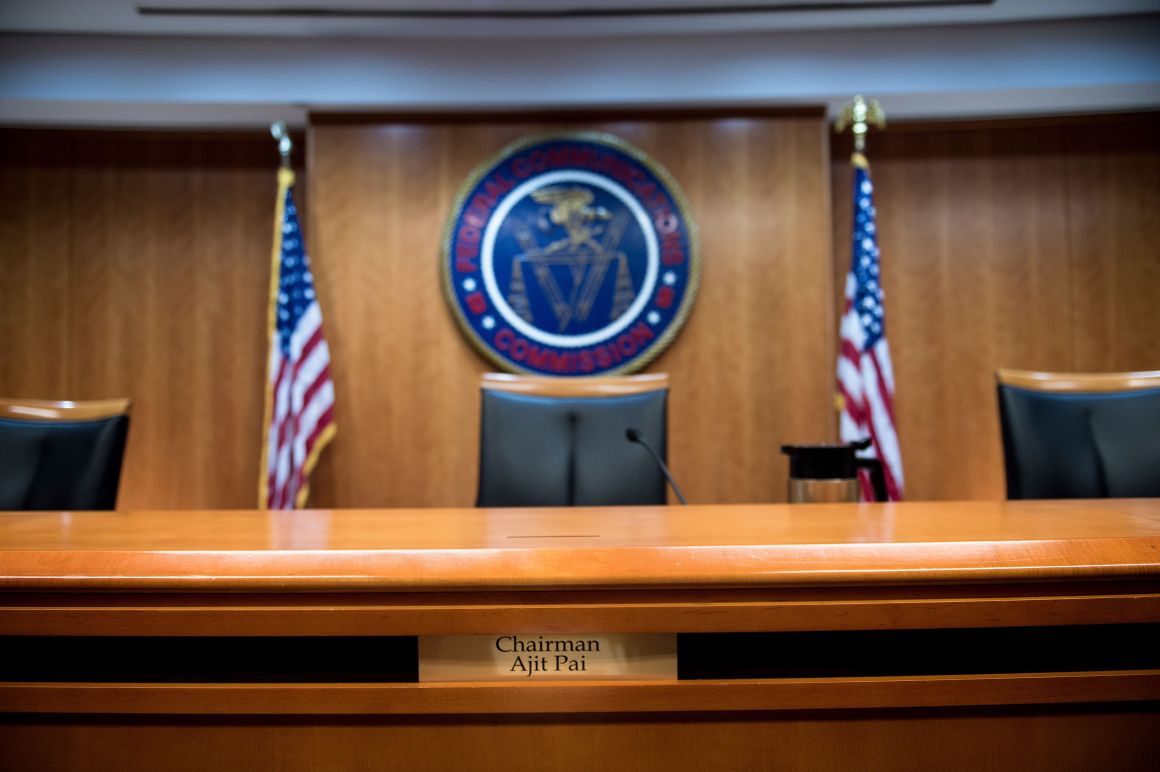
(311,460)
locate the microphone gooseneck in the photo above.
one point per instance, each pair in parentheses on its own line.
(634,435)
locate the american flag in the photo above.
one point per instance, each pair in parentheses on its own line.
(865,377)
(299,392)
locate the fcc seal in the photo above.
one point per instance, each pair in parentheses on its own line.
(571,255)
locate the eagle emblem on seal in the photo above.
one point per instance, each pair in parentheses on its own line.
(570,255)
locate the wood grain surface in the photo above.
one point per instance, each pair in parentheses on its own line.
(752,367)
(891,567)
(49,410)
(997,739)
(592,697)
(776,608)
(135,265)
(579,548)
(1029,246)
(1079,382)
(544,386)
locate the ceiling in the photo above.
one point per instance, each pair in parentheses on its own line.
(244,62)
(520,18)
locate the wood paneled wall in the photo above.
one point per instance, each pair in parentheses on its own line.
(751,368)
(1026,245)
(137,265)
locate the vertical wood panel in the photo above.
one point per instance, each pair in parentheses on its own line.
(749,370)
(1023,246)
(1114,227)
(35,222)
(136,264)
(1001,739)
(140,265)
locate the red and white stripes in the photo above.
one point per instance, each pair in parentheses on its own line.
(303,411)
(866,385)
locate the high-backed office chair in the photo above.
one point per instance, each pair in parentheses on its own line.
(548,442)
(1078,435)
(61,455)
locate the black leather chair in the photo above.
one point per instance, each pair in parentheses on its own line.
(61,455)
(549,442)
(1076,435)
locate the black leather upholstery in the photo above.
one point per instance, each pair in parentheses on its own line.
(570,451)
(1080,445)
(61,465)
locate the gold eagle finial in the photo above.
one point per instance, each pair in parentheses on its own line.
(860,114)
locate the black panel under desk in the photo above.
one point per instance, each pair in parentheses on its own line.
(918,652)
(828,654)
(272,659)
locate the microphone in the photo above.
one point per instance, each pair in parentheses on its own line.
(633,435)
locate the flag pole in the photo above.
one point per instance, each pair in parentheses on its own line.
(285,180)
(857,115)
(865,374)
(299,419)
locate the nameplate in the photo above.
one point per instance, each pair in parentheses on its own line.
(543,657)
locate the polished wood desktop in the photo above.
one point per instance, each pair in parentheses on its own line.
(904,569)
